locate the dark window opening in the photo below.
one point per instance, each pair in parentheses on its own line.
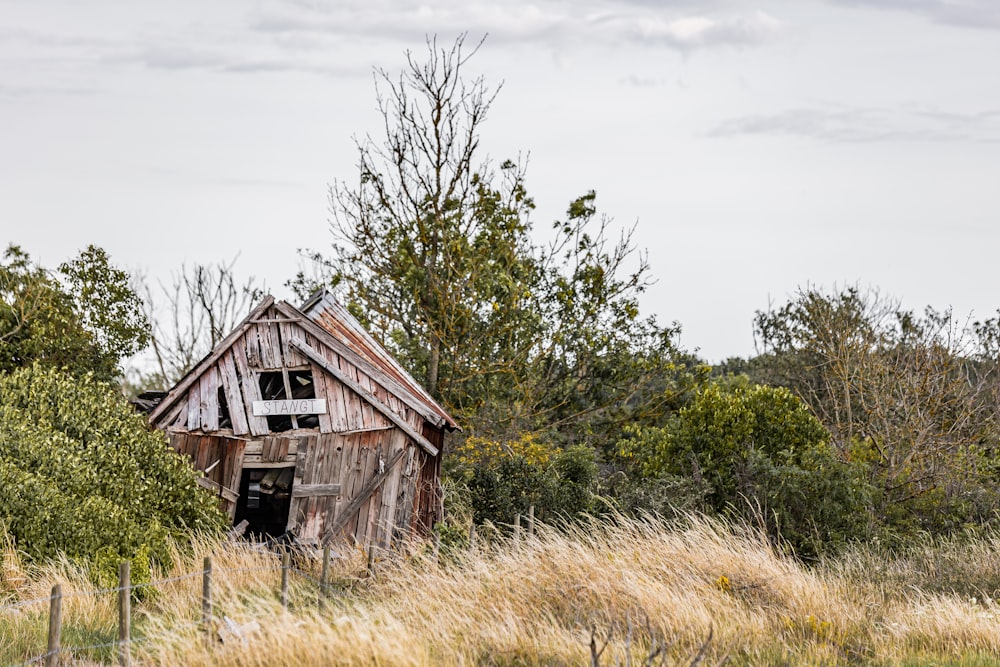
(265,500)
(273,388)
(224,419)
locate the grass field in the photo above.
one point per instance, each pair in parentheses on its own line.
(643,592)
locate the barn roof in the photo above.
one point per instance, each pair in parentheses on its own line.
(324,309)
(331,324)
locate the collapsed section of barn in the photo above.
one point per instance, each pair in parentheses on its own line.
(304,425)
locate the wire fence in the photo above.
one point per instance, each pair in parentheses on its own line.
(55,647)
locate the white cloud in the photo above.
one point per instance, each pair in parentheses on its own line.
(964,13)
(856,125)
(549,22)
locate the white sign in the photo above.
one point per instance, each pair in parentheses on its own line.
(295,406)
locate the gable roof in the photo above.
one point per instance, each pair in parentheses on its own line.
(324,309)
(333,326)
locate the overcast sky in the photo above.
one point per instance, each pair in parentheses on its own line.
(757,146)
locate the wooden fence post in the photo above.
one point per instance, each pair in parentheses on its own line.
(286,561)
(371,560)
(206,599)
(124,613)
(323,574)
(517,531)
(531,521)
(55,627)
(472,537)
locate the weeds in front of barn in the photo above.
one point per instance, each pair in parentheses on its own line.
(610,592)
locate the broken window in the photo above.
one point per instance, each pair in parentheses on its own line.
(285,384)
(224,419)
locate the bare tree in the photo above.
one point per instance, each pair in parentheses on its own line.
(192,315)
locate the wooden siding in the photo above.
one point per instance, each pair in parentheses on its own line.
(221,457)
(368,471)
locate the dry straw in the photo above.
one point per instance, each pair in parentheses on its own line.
(620,591)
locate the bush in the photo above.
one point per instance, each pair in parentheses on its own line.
(504,479)
(759,453)
(81,473)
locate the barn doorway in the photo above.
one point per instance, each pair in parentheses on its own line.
(265,500)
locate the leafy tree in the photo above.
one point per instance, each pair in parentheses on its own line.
(913,395)
(433,246)
(757,451)
(87,322)
(81,473)
(431,242)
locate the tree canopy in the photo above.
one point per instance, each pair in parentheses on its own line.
(434,246)
(85,318)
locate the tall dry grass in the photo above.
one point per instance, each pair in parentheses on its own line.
(632,587)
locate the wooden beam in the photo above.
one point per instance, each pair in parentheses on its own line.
(367,490)
(372,371)
(218,489)
(315,490)
(371,398)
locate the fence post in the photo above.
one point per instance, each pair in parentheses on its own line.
(531,521)
(323,574)
(472,537)
(124,613)
(517,531)
(55,626)
(206,599)
(286,561)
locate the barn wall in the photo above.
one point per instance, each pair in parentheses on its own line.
(223,455)
(352,447)
(265,347)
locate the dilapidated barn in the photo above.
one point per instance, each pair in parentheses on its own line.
(303,423)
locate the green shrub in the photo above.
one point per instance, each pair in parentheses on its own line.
(80,471)
(759,453)
(504,479)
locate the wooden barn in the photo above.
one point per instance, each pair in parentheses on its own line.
(304,424)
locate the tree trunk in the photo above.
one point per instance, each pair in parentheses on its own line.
(433,362)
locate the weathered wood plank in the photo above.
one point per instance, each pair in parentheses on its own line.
(174,414)
(408,492)
(332,531)
(339,393)
(287,329)
(234,395)
(315,490)
(390,496)
(177,392)
(257,463)
(368,396)
(372,455)
(194,407)
(351,469)
(320,390)
(249,343)
(296,510)
(218,489)
(418,404)
(270,351)
(209,389)
(250,388)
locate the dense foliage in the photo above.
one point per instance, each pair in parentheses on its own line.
(80,471)
(85,318)
(758,452)
(436,250)
(500,480)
